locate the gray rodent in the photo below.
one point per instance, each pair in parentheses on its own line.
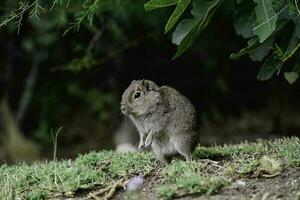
(165,119)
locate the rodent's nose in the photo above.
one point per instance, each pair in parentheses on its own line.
(122,108)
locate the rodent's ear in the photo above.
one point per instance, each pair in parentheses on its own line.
(149,85)
(133,81)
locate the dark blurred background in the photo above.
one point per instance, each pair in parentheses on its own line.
(76,81)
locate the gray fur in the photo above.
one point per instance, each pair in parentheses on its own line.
(165,119)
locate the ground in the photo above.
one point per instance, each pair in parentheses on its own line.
(282,186)
(260,170)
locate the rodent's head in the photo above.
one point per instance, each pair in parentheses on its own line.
(141,97)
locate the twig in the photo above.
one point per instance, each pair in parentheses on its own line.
(118,184)
(210,161)
(94,196)
(93,41)
(18,15)
(270,175)
(111,189)
(213,163)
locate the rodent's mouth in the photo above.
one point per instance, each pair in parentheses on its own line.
(125,110)
(128,112)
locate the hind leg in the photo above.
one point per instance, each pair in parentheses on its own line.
(162,159)
(160,156)
(183,146)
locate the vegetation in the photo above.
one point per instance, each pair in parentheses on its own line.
(266,24)
(45,62)
(65,178)
(184,178)
(63,64)
(262,23)
(99,174)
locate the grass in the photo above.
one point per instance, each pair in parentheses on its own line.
(246,160)
(64,178)
(213,169)
(187,178)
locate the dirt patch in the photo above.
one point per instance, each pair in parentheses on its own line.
(285,185)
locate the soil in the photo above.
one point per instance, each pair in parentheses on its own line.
(284,186)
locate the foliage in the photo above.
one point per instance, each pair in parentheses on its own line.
(99,20)
(70,37)
(262,23)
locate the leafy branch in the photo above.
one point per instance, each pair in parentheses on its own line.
(18,14)
(36,10)
(60,3)
(89,8)
(261,24)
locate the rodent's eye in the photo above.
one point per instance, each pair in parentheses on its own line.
(137,95)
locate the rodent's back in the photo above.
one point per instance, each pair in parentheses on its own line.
(182,112)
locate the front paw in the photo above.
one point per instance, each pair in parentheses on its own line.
(148,142)
(141,146)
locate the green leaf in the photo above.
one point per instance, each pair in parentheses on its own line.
(270,66)
(203,11)
(265,19)
(254,43)
(181,31)
(180,8)
(154,4)
(244,25)
(291,77)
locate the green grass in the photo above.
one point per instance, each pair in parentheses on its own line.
(184,178)
(270,165)
(103,169)
(258,159)
(42,180)
(285,148)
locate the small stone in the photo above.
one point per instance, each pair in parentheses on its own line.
(241,183)
(135,183)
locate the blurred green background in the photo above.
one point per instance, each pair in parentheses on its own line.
(57,71)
